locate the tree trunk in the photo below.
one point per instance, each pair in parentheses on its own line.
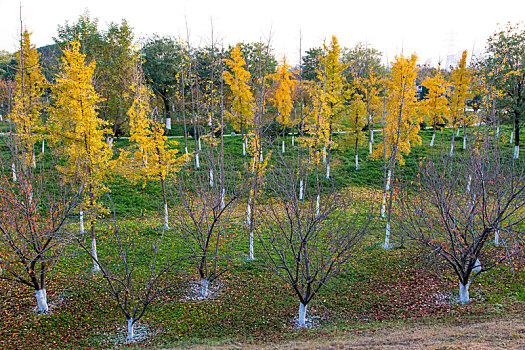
(301,190)
(317,206)
(463,292)
(81,221)
(13,170)
(204,288)
(464,137)
(468,183)
(41,299)
(200,147)
(211,177)
(243,147)
(496,237)
(324,154)
(387,188)
(433,137)
(452,144)
(249,212)
(131,335)
(516,135)
(511,136)
(328,170)
(356,155)
(165,202)
(197,163)
(43,146)
(251,246)
(301,321)
(94,254)
(223,205)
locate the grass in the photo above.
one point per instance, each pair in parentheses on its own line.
(377,288)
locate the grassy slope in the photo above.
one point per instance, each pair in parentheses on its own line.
(253,306)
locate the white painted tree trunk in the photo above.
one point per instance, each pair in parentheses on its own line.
(249,212)
(186,150)
(497,132)
(468,183)
(41,300)
(387,236)
(30,198)
(166,220)
(477,266)
(511,136)
(197,163)
(464,140)
(317,206)
(451,149)
(433,139)
(457,133)
(168,123)
(301,321)
(387,188)
(1,118)
(372,137)
(131,335)
(34,161)
(211,177)
(293,140)
(199,143)
(324,154)
(251,246)
(261,157)
(13,170)
(463,293)
(516,152)
(96,268)
(356,162)
(328,170)
(283,150)
(301,190)
(43,146)
(243,148)
(496,237)
(223,205)
(369,147)
(204,288)
(81,221)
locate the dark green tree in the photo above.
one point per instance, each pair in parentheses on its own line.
(311,62)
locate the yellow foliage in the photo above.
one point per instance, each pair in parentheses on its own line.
(283,94)
(241,114)
(28,104)
(401,120)
(460,82)
(435,103)
(75,124)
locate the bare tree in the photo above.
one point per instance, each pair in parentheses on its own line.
(135,271)
(456,205)
(34,210)
(306,242)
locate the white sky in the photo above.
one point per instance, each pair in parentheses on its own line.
(432,29)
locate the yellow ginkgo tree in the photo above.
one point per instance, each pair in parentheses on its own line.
(283,96)
(436,101)
(76,126)
(460,84)
(242,106)
(151,155)
(356,119)
(401,124)
(28,105)
(333,82)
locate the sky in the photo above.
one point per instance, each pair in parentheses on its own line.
(431,29)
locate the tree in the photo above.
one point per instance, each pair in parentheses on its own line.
(332,80)
(34,209)
(311,63)
(401,125)
(162,66)
(243,103)
(75,125)
(356,118)
(435,102)
(34,214)
(113,53)
(283,96)
(436,213)
(460,84)
(135,272)
(28,104)
(150,152)
(306,242)
(506,55)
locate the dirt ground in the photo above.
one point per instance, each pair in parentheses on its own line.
(504,333)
